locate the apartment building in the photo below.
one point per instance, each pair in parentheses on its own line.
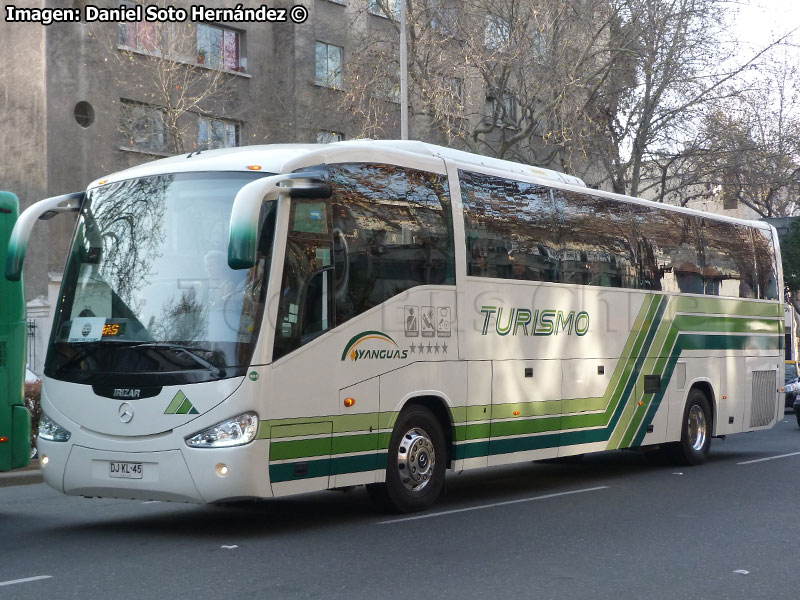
(79,100)
(82,99)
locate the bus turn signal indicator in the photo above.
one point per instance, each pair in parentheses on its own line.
(348,402)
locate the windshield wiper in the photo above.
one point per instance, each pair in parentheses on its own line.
(91,349)
(191,351)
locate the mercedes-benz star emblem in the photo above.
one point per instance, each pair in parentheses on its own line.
(125,412)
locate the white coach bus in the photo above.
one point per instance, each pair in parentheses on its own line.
(263,321)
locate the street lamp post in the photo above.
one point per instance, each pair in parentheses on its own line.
(403,73)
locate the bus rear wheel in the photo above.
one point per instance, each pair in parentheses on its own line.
(695,431)
(416,463)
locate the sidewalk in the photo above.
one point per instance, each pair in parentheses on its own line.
(25,476)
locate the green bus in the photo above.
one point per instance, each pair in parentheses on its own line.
(15,420)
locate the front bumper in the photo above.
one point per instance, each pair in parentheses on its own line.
(179,475)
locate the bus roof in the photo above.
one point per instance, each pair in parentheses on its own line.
(283,158)
(273,159)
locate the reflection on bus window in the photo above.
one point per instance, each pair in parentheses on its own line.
(519,230)
(393,231)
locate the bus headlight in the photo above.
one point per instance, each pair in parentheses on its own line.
(52,431)
(236,431)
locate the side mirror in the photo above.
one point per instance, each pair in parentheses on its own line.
(44,209)
(243,237)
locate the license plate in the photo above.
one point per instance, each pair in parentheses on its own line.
(126,470)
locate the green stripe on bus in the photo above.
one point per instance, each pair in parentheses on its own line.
(285,431)
(500,445)
(728,306)
(473,431)
(698,342)
(649,315)
(726,324)
(311,469)
(623,408)
(325,446)
(651,348)
(300,448)
(656,369)
(327,466)
(358,464)
(632,408)
(637,366)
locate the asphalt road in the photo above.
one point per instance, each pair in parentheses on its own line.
(612,526)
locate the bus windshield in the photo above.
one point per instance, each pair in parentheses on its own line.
(147,292)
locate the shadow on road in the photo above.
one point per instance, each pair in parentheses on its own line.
(323,510)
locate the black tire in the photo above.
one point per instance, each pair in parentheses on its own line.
(695,431)
(417,444)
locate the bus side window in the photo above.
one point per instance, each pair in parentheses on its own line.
(305,305)
(765,264)
(728,265)
(392,230)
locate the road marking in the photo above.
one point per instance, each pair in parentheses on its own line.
(152,502)
(26,580)
(483,506)
(750,462)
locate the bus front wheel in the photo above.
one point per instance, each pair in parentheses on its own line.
(416,463)
(695,431)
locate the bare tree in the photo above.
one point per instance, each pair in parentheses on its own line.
(512,79)
(748,148)
(686,63)
(613,90)
(170,73)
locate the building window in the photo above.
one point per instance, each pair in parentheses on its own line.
(388,88)
(327,137)
(208,45)
(730,198)
(216,133)
(142,36)
(443,16)
(329,59)
(454,87)
(502,114)
(539,45)
(497,33)
(143,128)
(218,47)
(385,8)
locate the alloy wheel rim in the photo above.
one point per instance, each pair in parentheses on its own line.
(697,428)
(416,459)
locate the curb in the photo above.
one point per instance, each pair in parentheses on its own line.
(25,476)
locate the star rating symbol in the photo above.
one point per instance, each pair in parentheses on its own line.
(431,348)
